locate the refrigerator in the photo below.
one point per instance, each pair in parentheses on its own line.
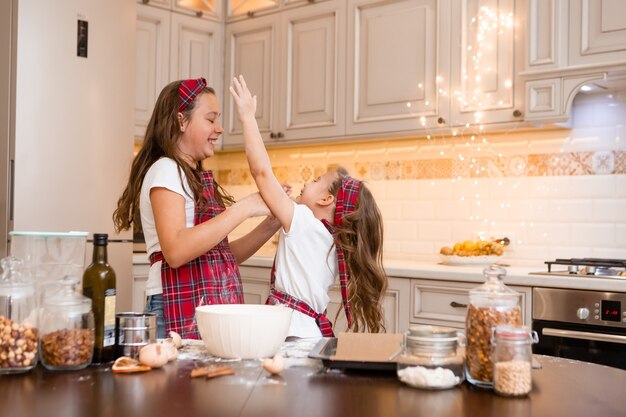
(71,141)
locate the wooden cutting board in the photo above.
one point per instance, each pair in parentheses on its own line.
(368,347)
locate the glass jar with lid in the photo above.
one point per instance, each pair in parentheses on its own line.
(431,357)
(18,318)
(490,304)
(67,329)
(512,359)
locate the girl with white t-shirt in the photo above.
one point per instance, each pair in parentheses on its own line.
(333,227)
(185,215)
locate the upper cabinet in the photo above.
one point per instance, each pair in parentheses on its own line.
(294,63)
(247,8)
(172,46)
(397,65)
(570,43)
(487,55)
(206,9)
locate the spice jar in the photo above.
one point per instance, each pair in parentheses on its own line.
(67,329)
(431,357)
(512,359)
(491,304)
(18,318)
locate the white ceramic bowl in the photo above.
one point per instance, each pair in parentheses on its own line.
(246,331)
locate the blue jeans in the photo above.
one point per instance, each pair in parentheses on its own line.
(154,304)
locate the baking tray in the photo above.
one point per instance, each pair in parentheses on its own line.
(327,347)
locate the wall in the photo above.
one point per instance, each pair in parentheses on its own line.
(555,193)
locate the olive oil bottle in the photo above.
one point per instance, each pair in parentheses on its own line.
(99,285)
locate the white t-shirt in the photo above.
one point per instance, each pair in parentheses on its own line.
(306,267)
(163,173)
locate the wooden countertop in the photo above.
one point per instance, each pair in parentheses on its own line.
(562,388)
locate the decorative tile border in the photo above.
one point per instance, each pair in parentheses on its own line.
(532,165)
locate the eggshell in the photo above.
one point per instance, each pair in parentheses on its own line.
(274,365)
(154,355)
(178,341)
(170,348)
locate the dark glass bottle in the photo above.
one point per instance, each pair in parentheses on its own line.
(99,285)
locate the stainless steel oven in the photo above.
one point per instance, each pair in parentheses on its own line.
(583,325)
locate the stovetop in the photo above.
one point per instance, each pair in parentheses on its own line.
(587,267)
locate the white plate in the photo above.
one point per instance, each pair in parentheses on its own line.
(469,260)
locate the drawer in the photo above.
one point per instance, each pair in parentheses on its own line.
(441,303)
(444,303)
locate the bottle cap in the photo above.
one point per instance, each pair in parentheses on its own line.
(100,239)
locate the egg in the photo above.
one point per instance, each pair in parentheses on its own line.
(155,355)
(274,365)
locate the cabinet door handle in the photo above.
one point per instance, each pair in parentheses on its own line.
(517,113)
(441,120)
(457,305)
(272,135)
(280,135)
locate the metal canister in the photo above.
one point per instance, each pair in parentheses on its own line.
(133,331)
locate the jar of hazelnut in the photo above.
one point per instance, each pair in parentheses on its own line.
(67,329)
(490,304)
(18,318)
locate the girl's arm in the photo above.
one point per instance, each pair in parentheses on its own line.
(247,245)
(180,244)
(260,167)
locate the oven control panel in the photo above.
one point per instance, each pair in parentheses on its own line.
(578,306)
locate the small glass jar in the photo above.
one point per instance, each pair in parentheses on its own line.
(512,359)
(431,358)
(490,304)
(67,329)
(18,318)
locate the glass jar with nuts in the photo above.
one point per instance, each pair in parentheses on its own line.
(491,304)
(512,359)
(18,318)
(67,329)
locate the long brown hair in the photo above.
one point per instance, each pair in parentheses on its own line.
(361,239)
(162,137)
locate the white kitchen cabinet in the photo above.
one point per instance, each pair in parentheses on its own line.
(140,277)
(570,43)
(487,54)
(444,303)
(249,8)
(256,284)
(395,305)
(398,60)
(597,32)
(208,9)
(152,62)
(293,62)
(172,46)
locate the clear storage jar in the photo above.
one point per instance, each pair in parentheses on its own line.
(18,318)
(67,329)
(512,359)
(431,357)
(490,304)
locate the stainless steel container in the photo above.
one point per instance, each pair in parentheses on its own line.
(133,331)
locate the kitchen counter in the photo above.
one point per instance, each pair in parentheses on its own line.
(516,275)
(562,388)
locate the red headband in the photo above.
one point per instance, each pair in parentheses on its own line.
(346,198)
(188,90)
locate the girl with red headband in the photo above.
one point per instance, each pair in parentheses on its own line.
(183,210)
(333,228)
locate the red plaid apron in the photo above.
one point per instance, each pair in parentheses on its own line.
(212,278)
(324,324)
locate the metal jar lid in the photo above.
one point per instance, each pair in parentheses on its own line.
(435,340)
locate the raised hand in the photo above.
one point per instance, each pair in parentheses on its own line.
(245,102)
